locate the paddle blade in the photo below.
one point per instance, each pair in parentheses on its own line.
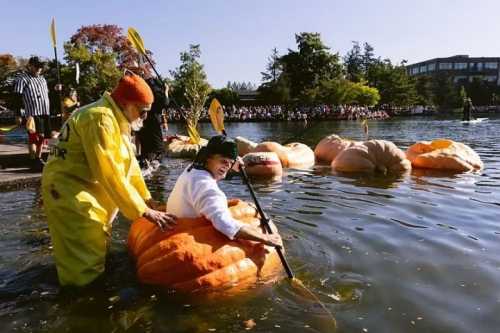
(7,128)
(77,73)
(136,40)
(53,32)
(194,136)
(216,115)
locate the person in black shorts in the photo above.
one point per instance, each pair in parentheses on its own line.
(32,88)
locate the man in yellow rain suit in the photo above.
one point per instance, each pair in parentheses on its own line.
(92,172)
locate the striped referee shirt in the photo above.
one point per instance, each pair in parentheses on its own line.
(35,94)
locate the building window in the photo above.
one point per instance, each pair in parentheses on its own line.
(414,70)
(431,67)
(459,78)
(460,65)
(445,65)
(490,78)
(491,65)
(479,66)
(423,69)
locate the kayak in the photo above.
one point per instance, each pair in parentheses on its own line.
(473,121)
(195,257)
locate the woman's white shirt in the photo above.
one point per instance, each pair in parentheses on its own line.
(197,194)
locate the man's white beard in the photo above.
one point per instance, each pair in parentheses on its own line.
(137,124)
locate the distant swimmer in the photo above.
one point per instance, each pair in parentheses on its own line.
(467,110)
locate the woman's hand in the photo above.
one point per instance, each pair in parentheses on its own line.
(163,220)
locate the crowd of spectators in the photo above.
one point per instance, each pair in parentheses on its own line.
(281,113)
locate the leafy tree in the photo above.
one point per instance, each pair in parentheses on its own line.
(444,92)
(273,67)
(309,65)
(225,96)
(423,87)
(8,67)
(368,58)
(343,91)
(190,80)
(394,84)
(100,50)
(353,63)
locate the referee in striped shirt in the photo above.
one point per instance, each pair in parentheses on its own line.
(32,88)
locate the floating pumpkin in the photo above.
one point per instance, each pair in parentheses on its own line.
(443,154)
(244,145)
(195,257)
(329,147)
(265,164)
(181,146)
(372,156)
(293,155)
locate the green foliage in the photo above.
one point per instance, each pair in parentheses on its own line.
(396,87)
(274,68)
(100,50)
(8,66)
(225,96)
(343,91)
(353,63)
(444,92)
(190,83)
(309,65)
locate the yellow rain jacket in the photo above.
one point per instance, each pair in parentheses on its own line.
(91,171)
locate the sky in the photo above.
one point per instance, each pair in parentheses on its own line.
(237,37)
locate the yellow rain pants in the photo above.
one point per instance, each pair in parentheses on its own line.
(91,171)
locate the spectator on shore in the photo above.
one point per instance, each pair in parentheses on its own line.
(32,88)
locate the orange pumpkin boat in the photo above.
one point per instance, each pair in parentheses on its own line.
(443,154)
(195,257)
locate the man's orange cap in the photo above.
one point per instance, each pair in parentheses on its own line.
(132,89)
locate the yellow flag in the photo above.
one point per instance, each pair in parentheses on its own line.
(193,134)
(136,40)
(216,115)
(53,32)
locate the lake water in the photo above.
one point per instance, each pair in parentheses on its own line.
(417,253)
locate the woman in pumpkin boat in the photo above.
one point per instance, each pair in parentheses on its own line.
(197,194)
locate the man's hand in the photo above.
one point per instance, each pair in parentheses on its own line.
(163,220)
(153,204)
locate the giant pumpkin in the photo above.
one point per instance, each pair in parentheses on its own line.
(372,156)
(263,165)
(195,257)
(329,147)
(443,154)
(292,155)
(181,146)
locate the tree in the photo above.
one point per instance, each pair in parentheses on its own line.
(346,92)
(353,63)
(273,67)
(8,67)
(225,96)
(394,84)
(190,80)
(423,87)
(444,93)
(368,58)
(309,65)
(100,50)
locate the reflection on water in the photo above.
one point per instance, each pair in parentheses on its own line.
(412,253)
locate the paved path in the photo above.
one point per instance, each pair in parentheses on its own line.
(15,171)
